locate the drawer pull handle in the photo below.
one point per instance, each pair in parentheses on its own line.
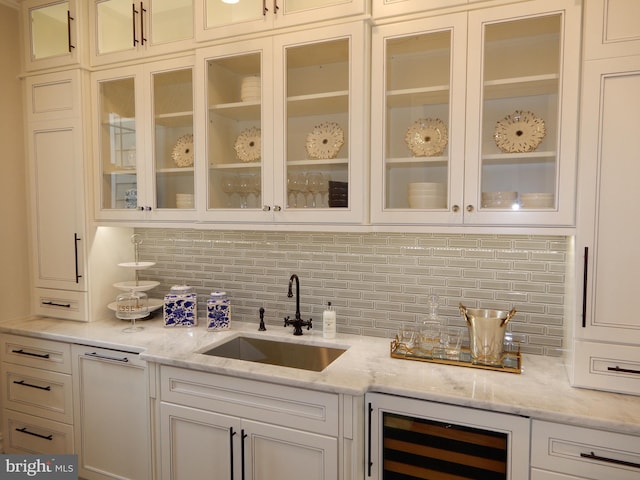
(107,357)
(623,370)
(54,304)
(31,354)
(24,430)
(25,384)
(593,456)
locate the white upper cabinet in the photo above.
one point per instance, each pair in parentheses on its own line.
(474,120)
(225,18)
(389,8)
(143,140)
(284,128)
(51,33)
(125,29)
(613,28)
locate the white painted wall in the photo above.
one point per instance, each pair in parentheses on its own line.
(14,258)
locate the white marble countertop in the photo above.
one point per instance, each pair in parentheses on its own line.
(542,390)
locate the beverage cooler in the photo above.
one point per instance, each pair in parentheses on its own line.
(409,439)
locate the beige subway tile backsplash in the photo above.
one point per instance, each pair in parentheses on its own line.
(375,280)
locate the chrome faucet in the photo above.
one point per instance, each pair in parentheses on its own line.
(297,323)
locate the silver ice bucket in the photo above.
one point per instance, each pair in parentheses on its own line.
(486,333)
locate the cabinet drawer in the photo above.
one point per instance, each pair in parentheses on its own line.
(29,434)
(587,453)
(61,304)
(38,392)
(286,406)
(36,352)
(607,367)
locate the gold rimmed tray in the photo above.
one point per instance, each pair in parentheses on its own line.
(511,359)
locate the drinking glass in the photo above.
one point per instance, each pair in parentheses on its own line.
(429,337)
(406,337)
(451,340)
(314,179)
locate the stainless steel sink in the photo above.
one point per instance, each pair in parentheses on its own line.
(273,352)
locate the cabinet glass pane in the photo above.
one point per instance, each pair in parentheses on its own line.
(49,31)
(115,25)
(317,130)
(234,144)
(417,86)
(118,143)
(291,6)
(171,20)
(173,139)
(228,12)
(521,79)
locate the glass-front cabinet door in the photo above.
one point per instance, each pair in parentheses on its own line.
(224,18)
(124,29)
(144,142)
(418,119)
(522,114)
(51,33)
(284,129)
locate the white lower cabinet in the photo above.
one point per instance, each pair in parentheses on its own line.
(240,428)
(112,414)
(568,452)
(37,406)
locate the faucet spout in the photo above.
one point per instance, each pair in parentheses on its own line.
(297,323)
(290,294)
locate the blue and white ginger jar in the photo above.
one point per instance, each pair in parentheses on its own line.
(218,311)
(181,307)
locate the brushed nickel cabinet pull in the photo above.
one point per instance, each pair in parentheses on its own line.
(615,461)
(31,385)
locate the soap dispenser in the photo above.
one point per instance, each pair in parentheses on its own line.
(329,322)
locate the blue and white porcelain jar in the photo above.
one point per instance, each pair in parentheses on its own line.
(218,311)
(181,307)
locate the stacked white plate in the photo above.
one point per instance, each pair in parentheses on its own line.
(427,195)
(184,200)
(536,200)
(250,89)
(499,199)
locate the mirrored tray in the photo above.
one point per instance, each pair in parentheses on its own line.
(511,359)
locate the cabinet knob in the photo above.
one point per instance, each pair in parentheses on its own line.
(266,208)
(469,208)
(277,208)
(455,208)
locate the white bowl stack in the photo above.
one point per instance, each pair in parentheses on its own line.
(250,89)
(427,195)
(184,200)
(536,200)
(499,199)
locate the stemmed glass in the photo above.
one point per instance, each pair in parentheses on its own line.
(132,305)
(229,186)
(324,190)
(314,179)
(256,187)
(244,188)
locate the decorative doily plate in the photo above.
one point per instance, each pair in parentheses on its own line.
(520,132)
(183,151)
(427,137)
(248,145)
(325,140)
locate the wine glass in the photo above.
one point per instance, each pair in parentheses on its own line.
(244,188)
(229,186)
(314,179)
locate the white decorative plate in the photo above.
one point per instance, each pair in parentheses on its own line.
(183,151)
(248,145)
(520,132)
(325,140)
(139,286)
(137,265)
(427,137)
